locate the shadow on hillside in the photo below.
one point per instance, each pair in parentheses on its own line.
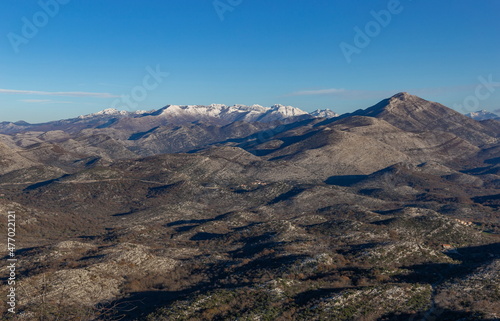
(494,161)
(139,304)
(435,314)
(437,273)
(286,196)
(358,248)
(488,200)
(471,258)
(187,225)
(287,141)
(44,183)
(140,135)
(345,180)
(260,137)
(204,236)
(254,244)
(124,213)
(306,297)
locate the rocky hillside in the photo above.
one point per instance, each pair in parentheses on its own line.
(389,213)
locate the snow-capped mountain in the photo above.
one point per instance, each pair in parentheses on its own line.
(113,112)
(214,114)
(482,115)
(324,113)
(219,112)
(229,114)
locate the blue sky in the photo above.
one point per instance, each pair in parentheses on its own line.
(64,58)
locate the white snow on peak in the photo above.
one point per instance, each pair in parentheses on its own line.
(482,115)
(107,111)
(217,112)
(288,111)
(220,106)
(324,113)
(114,111)
(231,113)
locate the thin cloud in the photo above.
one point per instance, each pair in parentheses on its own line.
(35,101)
(318,92)
(58,93)
(44,101)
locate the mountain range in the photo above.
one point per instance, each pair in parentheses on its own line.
(257,213)
(215,114)
(482,115)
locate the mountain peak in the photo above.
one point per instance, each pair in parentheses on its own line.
(113,112)
(412,113)
(324,113)
(21,123)
(482,115)
(406,98)
(403,95)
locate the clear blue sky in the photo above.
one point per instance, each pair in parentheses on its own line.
(83,56)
